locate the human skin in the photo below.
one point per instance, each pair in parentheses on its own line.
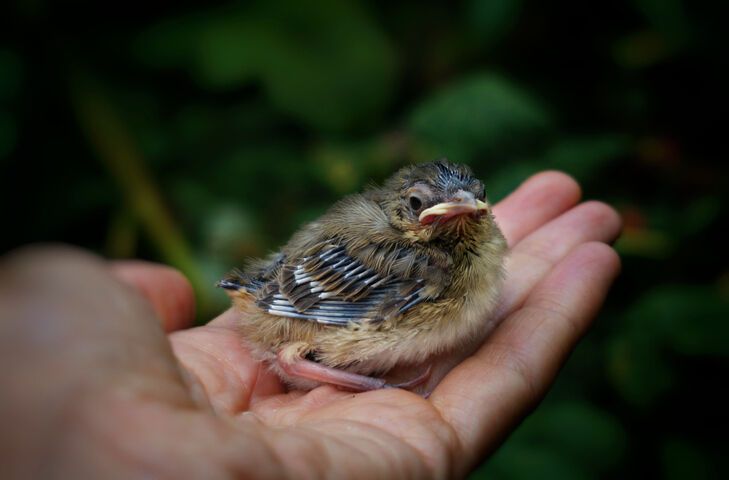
(102,376)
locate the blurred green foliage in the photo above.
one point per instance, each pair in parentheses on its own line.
(201,133)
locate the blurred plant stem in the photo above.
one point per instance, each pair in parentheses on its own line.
(117,151)
(122,238)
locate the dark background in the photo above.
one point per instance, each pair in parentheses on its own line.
(200,133)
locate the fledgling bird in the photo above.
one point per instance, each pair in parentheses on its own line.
(385,278)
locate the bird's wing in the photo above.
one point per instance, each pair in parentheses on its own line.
(334,288)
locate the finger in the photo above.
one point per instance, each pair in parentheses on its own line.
(229,318)
(166,289)
(88,372)
(533,257)
(231,378)
(217,358)
(487,394)
(538,200)
(68,327)
(530,260)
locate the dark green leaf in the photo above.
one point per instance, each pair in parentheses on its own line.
(666,16)
(681,459)
(692,320)
(328,64)
(592,437)
(485,114)
(516,462)
(637,368)
(491,19)
(584,157)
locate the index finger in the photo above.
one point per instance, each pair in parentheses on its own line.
(539,199)
(165,288)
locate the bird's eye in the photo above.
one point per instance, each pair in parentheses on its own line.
(481,194)
(415,203)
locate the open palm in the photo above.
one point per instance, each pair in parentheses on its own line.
(99,387)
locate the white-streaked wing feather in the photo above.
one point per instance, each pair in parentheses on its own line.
(333,288)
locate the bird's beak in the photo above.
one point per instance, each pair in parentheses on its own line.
(462,203)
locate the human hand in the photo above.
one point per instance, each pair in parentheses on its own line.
(92,385)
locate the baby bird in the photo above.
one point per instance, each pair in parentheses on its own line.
(385,278)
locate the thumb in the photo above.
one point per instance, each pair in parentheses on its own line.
(67,326)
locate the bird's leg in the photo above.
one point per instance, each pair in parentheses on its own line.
(413,382)
(300,367)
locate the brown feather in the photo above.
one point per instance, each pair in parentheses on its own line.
(430,287)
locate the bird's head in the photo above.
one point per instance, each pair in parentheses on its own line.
(437,201)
